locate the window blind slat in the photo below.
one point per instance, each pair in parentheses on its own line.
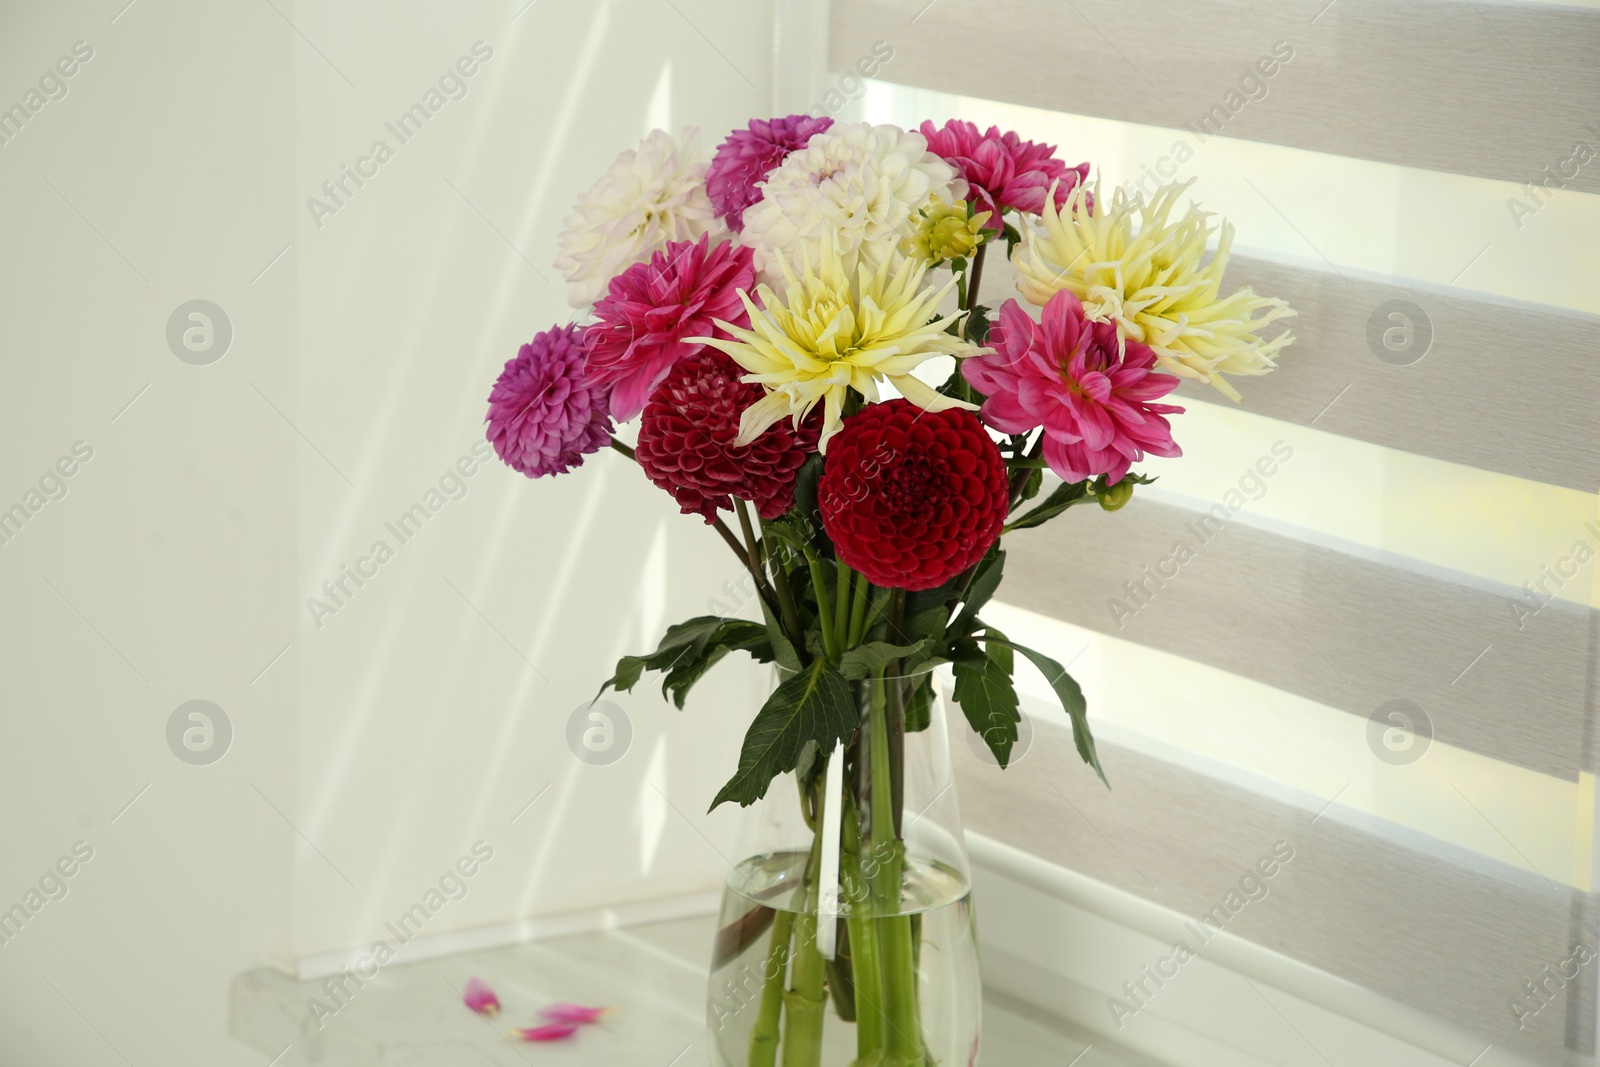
(1351,902)
(1490,89)
(1362,630)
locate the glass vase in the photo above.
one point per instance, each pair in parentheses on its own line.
(895,982)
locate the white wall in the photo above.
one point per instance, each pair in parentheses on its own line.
(424,714)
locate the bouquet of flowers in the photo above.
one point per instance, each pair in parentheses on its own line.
(779,318)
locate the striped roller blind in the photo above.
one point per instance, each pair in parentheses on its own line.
(1359,615)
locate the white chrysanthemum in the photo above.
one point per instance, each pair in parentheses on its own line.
(858,182)
(650,196)
(1130,265)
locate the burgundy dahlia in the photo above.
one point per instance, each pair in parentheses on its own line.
(651,308)
(912,498)
(544,416)
(1003,170)
(686,441)
(745,159)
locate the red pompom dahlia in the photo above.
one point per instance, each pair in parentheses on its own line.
(912,498)
(686,441)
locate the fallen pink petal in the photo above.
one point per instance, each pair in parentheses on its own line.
(547,1032)
(573,1013)
(480,998)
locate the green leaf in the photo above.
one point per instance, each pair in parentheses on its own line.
(1030,488)
(1063,497)
(815,705)
(787,539)
(783,650)
(983,585)
(877,628)
(919,706)
(926,599)
(927,628)
(977,326)
(682,677)
(957,386)
(808,763)
(805,501)
(866,660)
(745,636)
(1000,653)
(696,631)
(989,701)
(629,668)
(685,645)
(1071,697)
(1012,237)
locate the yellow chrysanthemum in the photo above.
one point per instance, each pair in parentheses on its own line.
(832,333)
(1129,265)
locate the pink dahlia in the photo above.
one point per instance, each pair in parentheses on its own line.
(745,159)
(651,307)
(1070,375)
(1004,171)
(544,416)
(686,441)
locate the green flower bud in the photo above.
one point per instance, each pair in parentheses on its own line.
(945,231)
(1114,496)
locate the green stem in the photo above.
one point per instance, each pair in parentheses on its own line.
(903,1025)
(864,954)
(1019,477)
(858,611)
(975,276)
(824,610)
(805,999)
(764,1036)
(785,595)
(841,606)
(897,714)
(749,534)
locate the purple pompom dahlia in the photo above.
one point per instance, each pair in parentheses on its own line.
(745,159)
(544,416)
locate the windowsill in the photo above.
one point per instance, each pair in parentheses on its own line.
(1056,944)
(654,975)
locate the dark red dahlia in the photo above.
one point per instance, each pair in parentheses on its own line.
(686,441)
(912,498)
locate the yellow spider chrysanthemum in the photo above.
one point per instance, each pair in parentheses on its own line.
(1129,265)
(832,333)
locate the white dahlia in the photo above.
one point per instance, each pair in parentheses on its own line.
(859,182)
(650,196)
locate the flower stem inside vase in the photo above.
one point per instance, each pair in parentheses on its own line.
(902,933)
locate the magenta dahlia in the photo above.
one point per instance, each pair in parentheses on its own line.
(1003,170)
(651,307)
(686,441)
(1071,375)
(544,416)
(745,159)
(911,498)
